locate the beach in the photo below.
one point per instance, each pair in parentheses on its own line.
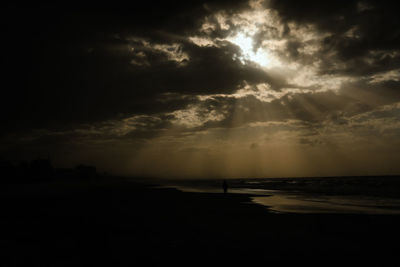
(117,222)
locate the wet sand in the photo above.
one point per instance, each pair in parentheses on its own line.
(281,201)
(120,223)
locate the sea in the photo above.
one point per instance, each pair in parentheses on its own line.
(336,195)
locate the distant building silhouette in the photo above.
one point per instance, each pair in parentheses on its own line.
(8,172)
(41,170)
(86,172)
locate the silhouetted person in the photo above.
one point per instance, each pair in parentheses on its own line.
(225,186)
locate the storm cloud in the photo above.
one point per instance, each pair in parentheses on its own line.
(210,83)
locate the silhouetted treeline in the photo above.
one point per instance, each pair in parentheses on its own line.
(40,170)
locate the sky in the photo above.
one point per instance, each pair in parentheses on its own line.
(202,89)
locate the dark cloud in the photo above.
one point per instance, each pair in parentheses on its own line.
(126,76)
(310,141)
(292,49)
(370,64)
(328,15)
(363,35)
(371,94)
(78,68)
(69,66)
(306,107)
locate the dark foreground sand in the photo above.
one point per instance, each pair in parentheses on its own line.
(107,223)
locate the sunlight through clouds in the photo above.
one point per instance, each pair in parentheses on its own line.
(260,56)
(225,88)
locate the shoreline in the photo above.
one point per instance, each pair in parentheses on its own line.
(304,202)
(122,223)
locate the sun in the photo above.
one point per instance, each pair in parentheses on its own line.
(245,42)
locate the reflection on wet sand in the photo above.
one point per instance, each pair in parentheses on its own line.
(300,202)
(332,204)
